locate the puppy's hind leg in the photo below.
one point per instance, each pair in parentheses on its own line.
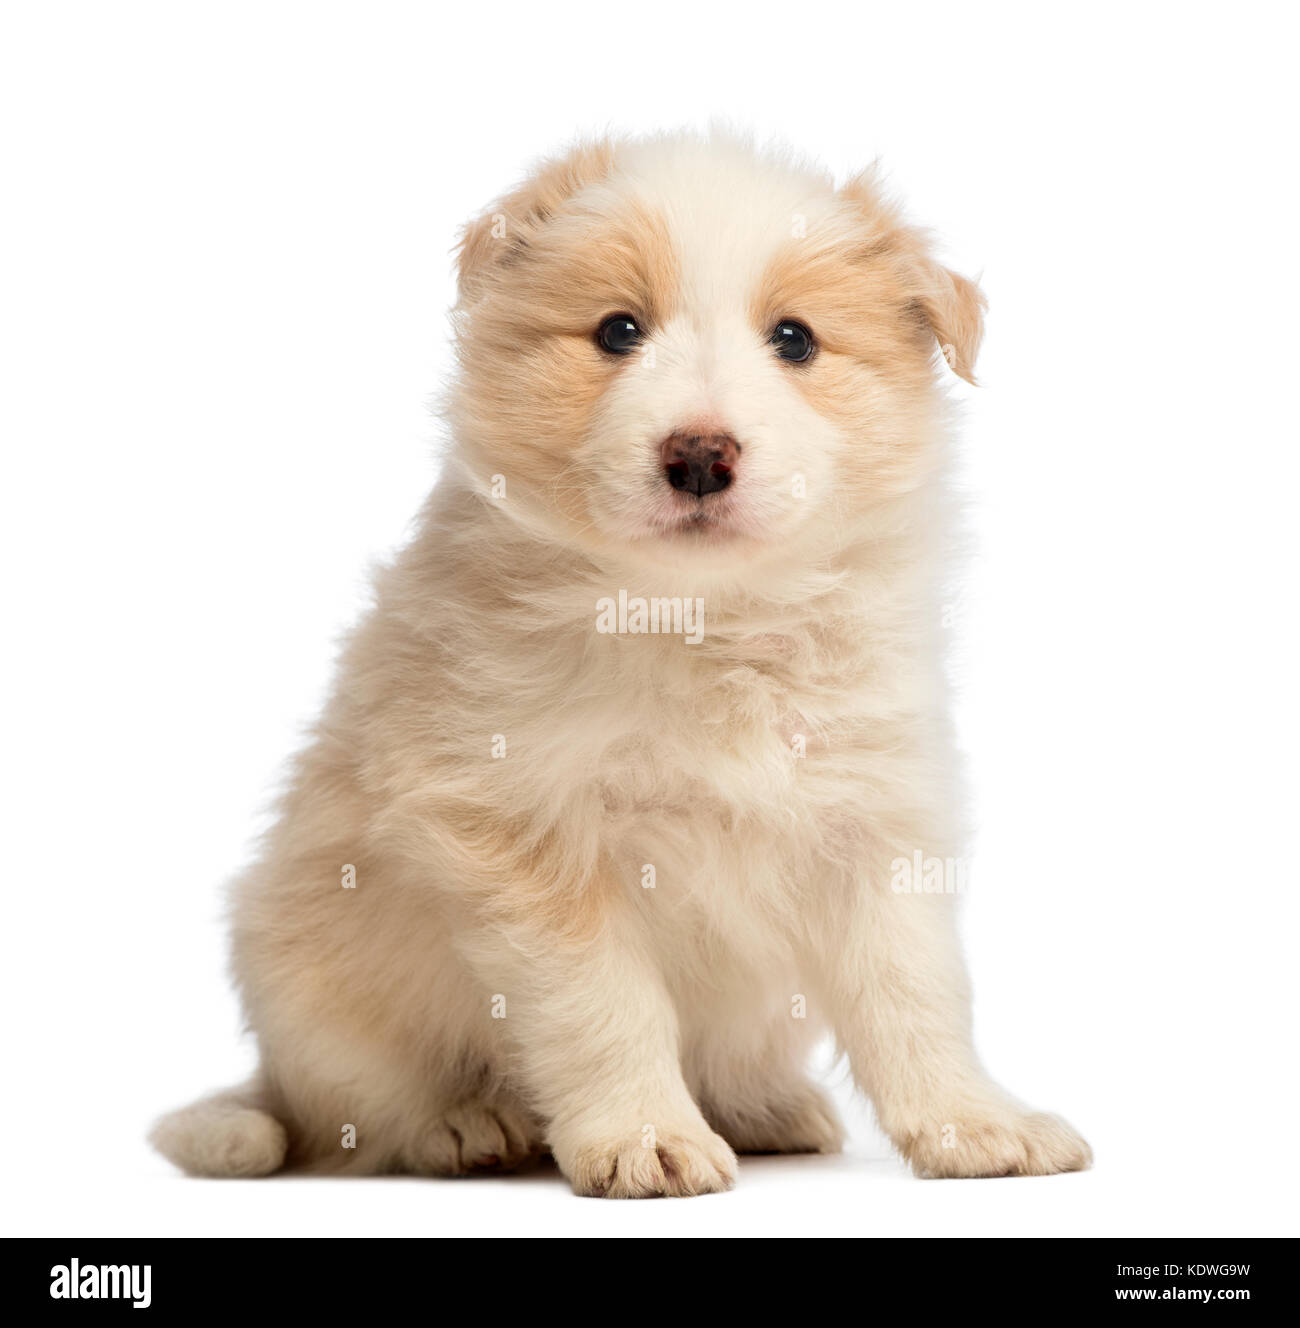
(793,1116)
(230,1133)
(482,1133)
(755,1092)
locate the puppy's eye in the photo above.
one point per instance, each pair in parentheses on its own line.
(792,340)
(619,335)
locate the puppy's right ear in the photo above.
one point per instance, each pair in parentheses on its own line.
(503,233)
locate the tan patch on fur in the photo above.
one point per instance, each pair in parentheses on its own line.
(505,230)
(949,307)
(863,282)
(537,374)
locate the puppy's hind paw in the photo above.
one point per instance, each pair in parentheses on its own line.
(475,1137)
(800,1120)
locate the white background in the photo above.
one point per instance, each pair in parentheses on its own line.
(225,249)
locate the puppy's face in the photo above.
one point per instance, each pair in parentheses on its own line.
(682,349)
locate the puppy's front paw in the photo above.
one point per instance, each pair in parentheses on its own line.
(649,1165)
(995,1142)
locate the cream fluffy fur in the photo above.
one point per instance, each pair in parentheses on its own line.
(507,976)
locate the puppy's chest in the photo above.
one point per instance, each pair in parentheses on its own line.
(723,751)
(713,829)
(721,802)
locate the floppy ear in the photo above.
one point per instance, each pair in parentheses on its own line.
(503,233)
(953,309)
(946,306)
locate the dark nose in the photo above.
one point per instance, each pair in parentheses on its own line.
(699,463)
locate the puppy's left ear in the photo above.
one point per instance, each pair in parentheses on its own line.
(942,304)
(952,308)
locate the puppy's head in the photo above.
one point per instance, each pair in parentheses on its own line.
(685,349)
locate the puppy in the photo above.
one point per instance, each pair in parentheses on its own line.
(613,809)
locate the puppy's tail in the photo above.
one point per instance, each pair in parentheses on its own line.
(228,1134)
